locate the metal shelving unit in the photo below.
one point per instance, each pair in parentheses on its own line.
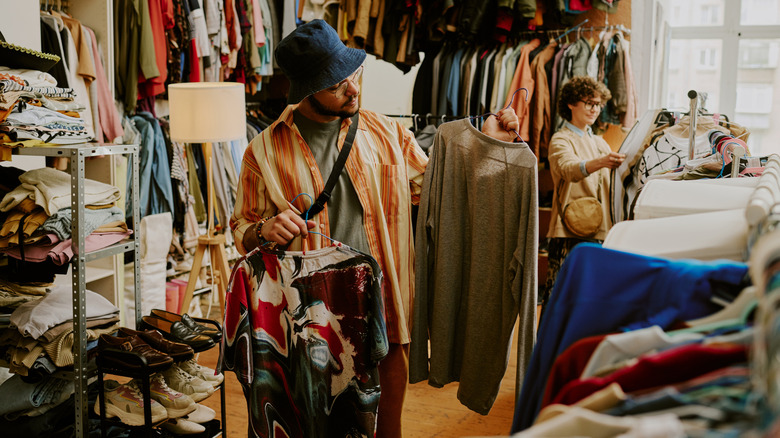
(78,155)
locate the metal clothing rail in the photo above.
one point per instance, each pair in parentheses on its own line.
(563,32)
(693,114)
(568,31)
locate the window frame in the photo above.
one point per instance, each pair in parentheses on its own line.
(730,33)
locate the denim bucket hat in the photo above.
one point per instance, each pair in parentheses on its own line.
(313,58)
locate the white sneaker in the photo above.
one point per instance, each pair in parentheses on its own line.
(202,414)
(205,373)
(182,381)
(127,403)
(176,403)
(180,426)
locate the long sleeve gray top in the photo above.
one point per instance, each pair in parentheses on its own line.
(476,261)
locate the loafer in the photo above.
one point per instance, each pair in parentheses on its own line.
(190,322)
(155,339)
(178,332)
(108,346)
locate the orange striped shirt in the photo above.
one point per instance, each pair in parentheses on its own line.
(386,167)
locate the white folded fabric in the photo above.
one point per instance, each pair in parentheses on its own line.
(660,198)
(34,318)
(579,422)
(50,188)
(703,236)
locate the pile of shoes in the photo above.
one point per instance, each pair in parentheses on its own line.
(178,381)
(183,329)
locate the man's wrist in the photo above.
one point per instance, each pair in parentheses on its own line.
(261,240)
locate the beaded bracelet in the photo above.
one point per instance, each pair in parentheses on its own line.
(258,230)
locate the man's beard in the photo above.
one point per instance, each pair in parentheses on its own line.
(322,110)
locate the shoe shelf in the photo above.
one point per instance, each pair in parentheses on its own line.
(137,367)
(78,155)
(117,361)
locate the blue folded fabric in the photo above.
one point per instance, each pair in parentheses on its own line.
(600,291)
(17,395)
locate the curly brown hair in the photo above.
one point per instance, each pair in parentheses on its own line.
(580,88)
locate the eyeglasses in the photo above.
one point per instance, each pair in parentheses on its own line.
(590,106)
(339,89)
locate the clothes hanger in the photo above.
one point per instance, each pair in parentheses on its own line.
(738,311)
(306,218)
(732,323)
(510,104)
(571,29)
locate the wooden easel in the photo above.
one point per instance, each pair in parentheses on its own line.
(213,243)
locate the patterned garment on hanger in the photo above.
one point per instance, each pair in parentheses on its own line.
(307,348)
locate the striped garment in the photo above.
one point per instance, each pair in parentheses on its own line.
(10,85)
(386,167)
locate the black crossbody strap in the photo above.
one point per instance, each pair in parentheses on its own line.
(335,173)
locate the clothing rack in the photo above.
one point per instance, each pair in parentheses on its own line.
(560,33)
(692,129)
(62,5)
(568,31)
(694,113)
(426,118)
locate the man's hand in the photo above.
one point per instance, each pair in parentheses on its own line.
(503,125)
(285,226)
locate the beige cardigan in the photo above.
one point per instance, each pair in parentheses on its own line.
(567,149)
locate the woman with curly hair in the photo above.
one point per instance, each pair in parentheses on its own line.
(580,163)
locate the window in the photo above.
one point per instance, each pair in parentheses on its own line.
(696,13)
(729,50)
(675,57)
(759,12)
(706,58)
(698,69)
(754,98)
(709,15)
(758,54)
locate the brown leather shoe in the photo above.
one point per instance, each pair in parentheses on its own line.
(190,322)
(155,339)
(154,359)
(178,332)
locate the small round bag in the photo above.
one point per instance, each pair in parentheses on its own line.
(582,216)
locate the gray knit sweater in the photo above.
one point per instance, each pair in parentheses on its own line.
(476,260)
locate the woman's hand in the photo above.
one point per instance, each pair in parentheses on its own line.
(613,160)
(503,125)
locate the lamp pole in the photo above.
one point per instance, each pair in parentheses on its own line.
(203,112)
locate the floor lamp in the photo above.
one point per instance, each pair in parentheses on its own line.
(206,112)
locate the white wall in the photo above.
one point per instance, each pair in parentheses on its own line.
(21,25)
(20,22)
(386,89)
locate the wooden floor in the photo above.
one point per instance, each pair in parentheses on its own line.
(428,411)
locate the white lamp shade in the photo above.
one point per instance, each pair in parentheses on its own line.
(203,112)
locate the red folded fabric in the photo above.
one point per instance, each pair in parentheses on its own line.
(668,367)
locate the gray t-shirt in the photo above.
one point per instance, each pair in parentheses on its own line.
(345,212)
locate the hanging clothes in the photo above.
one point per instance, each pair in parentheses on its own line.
(304,333)
(110,122)
(476,256)
(522,78)
(51,42)
(156,191)
(133,49)
(573,63)
(540,105)
(161,19)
